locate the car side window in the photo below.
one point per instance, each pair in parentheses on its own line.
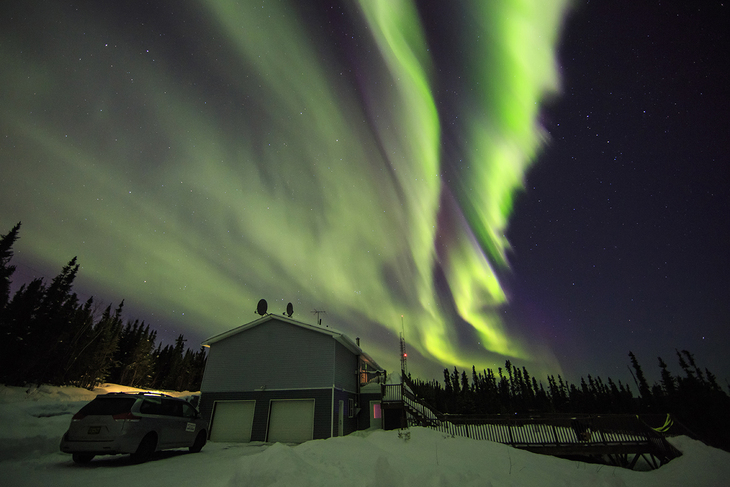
(150,407)
(172,408)
(188,411)
(166,407)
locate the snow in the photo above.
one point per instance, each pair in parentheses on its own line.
(33,421)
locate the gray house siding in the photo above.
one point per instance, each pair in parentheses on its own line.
(322,408)
(349,423)
(281,356)
(277,358)
(363,419)
(345,368)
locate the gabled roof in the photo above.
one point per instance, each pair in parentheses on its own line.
(338,336)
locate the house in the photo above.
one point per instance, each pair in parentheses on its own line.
(278,379)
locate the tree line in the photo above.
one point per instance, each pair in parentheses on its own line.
(694,397)
(48,336)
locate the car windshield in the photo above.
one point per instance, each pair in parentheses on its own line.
(108,406)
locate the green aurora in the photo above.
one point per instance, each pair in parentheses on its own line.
(234,151)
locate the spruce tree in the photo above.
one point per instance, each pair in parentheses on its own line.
(447,383)
(78,344)
(455,382)
(668,382)
(644,390)
(50,330)
(6,270)
(16,337)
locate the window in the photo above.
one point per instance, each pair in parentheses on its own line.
(172,408)
(108,406)
(188,410)
(151,407)
(350,408)
(164,407)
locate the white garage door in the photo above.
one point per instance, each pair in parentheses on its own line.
(291,420)
(232,421)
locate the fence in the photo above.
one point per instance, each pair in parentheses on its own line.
(619,439)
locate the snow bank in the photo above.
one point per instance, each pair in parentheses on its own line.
(417,457)
(34,418)
(422,457)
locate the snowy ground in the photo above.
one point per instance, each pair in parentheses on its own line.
(31,425)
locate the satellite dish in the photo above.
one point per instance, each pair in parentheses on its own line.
(289,310)
(262,307)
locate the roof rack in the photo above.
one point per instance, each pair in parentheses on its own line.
(150,393)
(143,393)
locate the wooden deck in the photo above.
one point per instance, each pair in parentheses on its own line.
(620,440)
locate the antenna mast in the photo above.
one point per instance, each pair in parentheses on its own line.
(318,312)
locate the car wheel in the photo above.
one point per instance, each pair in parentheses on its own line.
(82,457)
(146,448)
(199,442)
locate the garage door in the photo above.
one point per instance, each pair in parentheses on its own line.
(232,421)
(291,421)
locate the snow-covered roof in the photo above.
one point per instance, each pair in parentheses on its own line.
(371,388)
(338,336)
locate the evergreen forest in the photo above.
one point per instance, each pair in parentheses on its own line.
(697,403)
(47,336)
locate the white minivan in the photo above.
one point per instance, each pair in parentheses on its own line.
(135,423)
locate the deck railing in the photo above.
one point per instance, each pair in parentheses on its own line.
(392,392)
(613,436)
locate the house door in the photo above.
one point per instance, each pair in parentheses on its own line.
(232,421)
(291,420)
(376,420)
(341,418)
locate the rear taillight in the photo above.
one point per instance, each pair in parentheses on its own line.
(126,417)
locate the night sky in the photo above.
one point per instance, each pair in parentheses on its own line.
(545,182)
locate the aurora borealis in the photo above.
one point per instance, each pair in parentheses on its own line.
(360,158)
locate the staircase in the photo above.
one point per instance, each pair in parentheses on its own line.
(417,412)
